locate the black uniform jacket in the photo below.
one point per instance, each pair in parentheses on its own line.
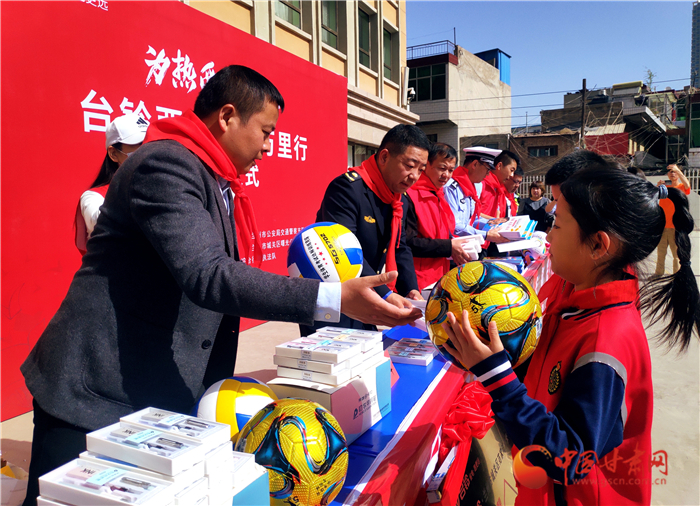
(350,202)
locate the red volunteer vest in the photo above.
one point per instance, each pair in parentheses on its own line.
(576,326)
(435,221)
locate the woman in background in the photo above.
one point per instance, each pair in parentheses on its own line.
(534,207)
(124,135)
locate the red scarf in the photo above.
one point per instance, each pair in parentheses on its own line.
(462,177)
(435,217)
(373,178)
(501,200)
(81,233)
(189,131)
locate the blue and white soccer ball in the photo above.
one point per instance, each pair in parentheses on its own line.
(325,251)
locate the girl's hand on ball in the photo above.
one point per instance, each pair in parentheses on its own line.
(463,343)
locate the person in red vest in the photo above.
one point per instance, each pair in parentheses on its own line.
(124,135)
(512,184)
(430,222)
(583,413)
(494,200)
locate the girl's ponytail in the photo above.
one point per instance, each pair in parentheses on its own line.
(676,297)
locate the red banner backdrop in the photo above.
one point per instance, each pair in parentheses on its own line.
(68,68)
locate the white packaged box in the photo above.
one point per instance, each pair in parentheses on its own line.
(179,481)
(43,501)
(218,457)
(310,365)
(329,379)
(327,350)
(85,482)
(244,468)
(377,349)
(372,334)
(412,351)
(369,362)
(151,449)
(357,404)
(207,433)
(195,494)
(367,341)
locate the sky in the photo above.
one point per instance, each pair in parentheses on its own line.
(555,45)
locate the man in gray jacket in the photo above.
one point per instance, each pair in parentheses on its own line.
(152,316)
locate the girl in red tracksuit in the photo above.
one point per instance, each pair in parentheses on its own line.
(587,395)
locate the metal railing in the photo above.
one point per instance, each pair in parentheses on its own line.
(431,49)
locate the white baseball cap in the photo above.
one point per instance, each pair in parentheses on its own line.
(127,129)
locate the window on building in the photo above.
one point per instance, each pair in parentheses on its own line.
(542,151)
(358,153)
(432,137)
(364,39)
(491,145)
(428,82)
(329,23)
(388,60)
(290,11)
(695,125)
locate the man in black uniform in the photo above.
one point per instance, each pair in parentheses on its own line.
(369,200)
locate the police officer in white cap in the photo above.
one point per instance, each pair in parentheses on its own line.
(463,190)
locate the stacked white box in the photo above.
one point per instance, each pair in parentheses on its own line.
(190,458)
(330,356)
(85,482)
(412,351)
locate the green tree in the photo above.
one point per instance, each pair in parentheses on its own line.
(649,80)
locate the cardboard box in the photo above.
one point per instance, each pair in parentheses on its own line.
(357,404)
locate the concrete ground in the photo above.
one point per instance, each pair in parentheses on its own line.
(676,427)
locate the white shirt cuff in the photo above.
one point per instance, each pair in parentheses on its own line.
(328,303)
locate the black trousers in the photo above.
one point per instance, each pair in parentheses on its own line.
(54,443)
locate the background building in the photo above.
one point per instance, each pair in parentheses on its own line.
(457,93)
(629,121)
(364,41)
(695,47)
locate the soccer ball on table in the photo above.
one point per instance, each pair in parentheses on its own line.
(489,292)
(303,448)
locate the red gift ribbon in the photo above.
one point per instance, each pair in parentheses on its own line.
(469,416)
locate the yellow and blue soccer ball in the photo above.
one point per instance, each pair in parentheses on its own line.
(325,251)
(489,292)
(303,448)
(234,401)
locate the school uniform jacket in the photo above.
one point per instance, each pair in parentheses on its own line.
(588,389)
(151,318)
